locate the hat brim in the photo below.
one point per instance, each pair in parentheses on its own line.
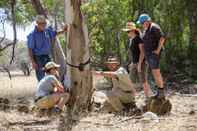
(125,29)
(55,66)
(112,62)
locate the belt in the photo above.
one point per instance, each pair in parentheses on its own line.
(127,91)
(38,98)
(41,55)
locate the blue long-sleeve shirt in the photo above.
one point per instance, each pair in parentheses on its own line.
(40,41)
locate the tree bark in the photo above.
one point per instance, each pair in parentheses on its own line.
(77,52)
(59,57)
(13,12)
(192,14)
(39,8)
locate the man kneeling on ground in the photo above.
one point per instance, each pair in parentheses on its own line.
(122,92)
(50,92)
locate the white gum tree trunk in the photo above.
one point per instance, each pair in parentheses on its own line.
(78,52)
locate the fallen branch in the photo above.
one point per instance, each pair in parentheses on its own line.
(186,95)
(127,119)
(97,123)
(29,123)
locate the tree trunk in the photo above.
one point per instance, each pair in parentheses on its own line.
(192,14)
(77,52)
(13,12)
(59,57)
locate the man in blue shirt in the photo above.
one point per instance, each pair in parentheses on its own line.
(39,45)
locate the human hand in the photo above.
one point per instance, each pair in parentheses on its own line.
(34,65)
(157,51)
(65,28)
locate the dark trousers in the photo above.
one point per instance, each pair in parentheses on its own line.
(41,60)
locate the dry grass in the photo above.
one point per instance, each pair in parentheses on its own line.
(21,86)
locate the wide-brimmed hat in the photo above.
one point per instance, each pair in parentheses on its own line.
(129,27)
(112,60)
(50,65)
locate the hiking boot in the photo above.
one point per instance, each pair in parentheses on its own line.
(160,93)
(56,110)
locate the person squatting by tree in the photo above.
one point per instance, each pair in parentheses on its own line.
(50,92)
(122,92)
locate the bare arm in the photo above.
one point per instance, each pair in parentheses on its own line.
(32,58)
(141,59)
(106,74)
(59,87)
(161,44)
(65,28)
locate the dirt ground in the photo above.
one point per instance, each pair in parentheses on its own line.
(20,92)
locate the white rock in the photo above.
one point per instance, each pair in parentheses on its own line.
(150,116)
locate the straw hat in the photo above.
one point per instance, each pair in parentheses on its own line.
(129,27)
(112,60)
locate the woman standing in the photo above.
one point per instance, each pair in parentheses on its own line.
(136,49)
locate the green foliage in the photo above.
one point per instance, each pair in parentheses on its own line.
(106,18)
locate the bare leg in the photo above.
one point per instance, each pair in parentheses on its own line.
(158,78)
(50,101)
(146,88)
(159,81)
(143,76)
(63,99)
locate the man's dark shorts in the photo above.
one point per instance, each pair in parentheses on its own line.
(153,60)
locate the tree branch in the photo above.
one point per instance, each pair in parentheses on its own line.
(6,46)
(39,8)
(13,3)
(3,38)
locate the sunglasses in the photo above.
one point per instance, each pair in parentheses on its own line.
(129,32)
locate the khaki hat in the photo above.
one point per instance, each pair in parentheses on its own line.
(50,65)
(112,60)
(40,19)
(129,26)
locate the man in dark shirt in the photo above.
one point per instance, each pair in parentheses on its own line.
(153,39)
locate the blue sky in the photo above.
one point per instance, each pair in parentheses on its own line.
(22,32)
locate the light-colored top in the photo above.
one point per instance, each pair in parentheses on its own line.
(46,86)
(122,81)
(121,70)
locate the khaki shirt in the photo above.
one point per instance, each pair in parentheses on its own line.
(122,81)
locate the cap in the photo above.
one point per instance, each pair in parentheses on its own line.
(50,65)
